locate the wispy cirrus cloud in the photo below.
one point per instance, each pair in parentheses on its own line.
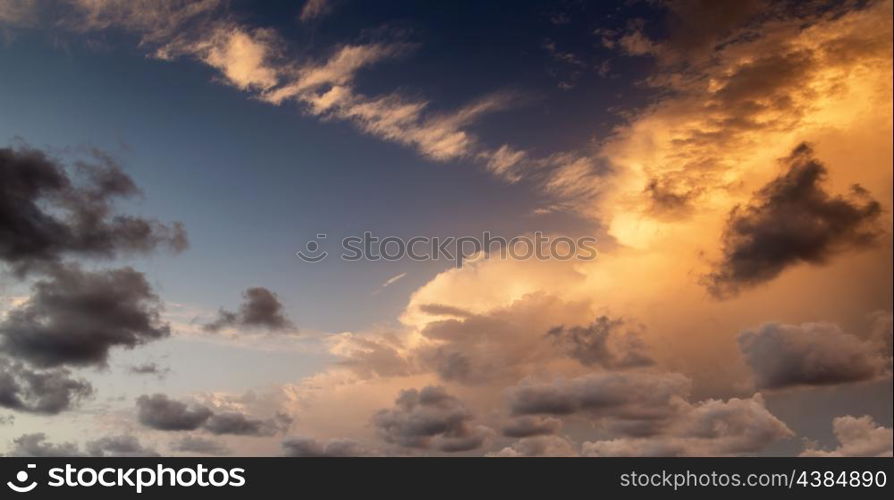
(257,61)
(315,9)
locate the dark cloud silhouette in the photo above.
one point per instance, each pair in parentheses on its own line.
(783,356)
(39,391)
(199,445)
(119,446)
(767,75)
(789,221)
(242,425)
(694,30)
(48,213)
(159,412)
(881,332)
(309,447)
(162,413)
(75,317)
(260,309)
(36,445)
(636,402)
(453,365)
(708,428)
(45,214)
(695,27)
(429,418)
(444,310)
(691,30)
(669,199)
(602,343)
(149,368)
(528,425)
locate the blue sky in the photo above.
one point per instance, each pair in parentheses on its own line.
(275,178)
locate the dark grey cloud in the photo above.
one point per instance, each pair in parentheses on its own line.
(36,445)
(530,425)
(767,75)
(74,317)
(149,368)
(309,447)
(119,446)
(260,309)
(39,391)
(694,30)
(708,428)
(429,418)
(242,425)
(46,214)
(695,27)
(791,220)
(881,332)
(460,353)
(606,342)
(315,9)
(809,354)
(669,199)
(635,402)
(199,445)
(159,412)
(454,365)
(691,30)
(162,413)
(444,310)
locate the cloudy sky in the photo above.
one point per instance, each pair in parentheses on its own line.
(162,161)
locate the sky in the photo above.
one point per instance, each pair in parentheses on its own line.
(161,163)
